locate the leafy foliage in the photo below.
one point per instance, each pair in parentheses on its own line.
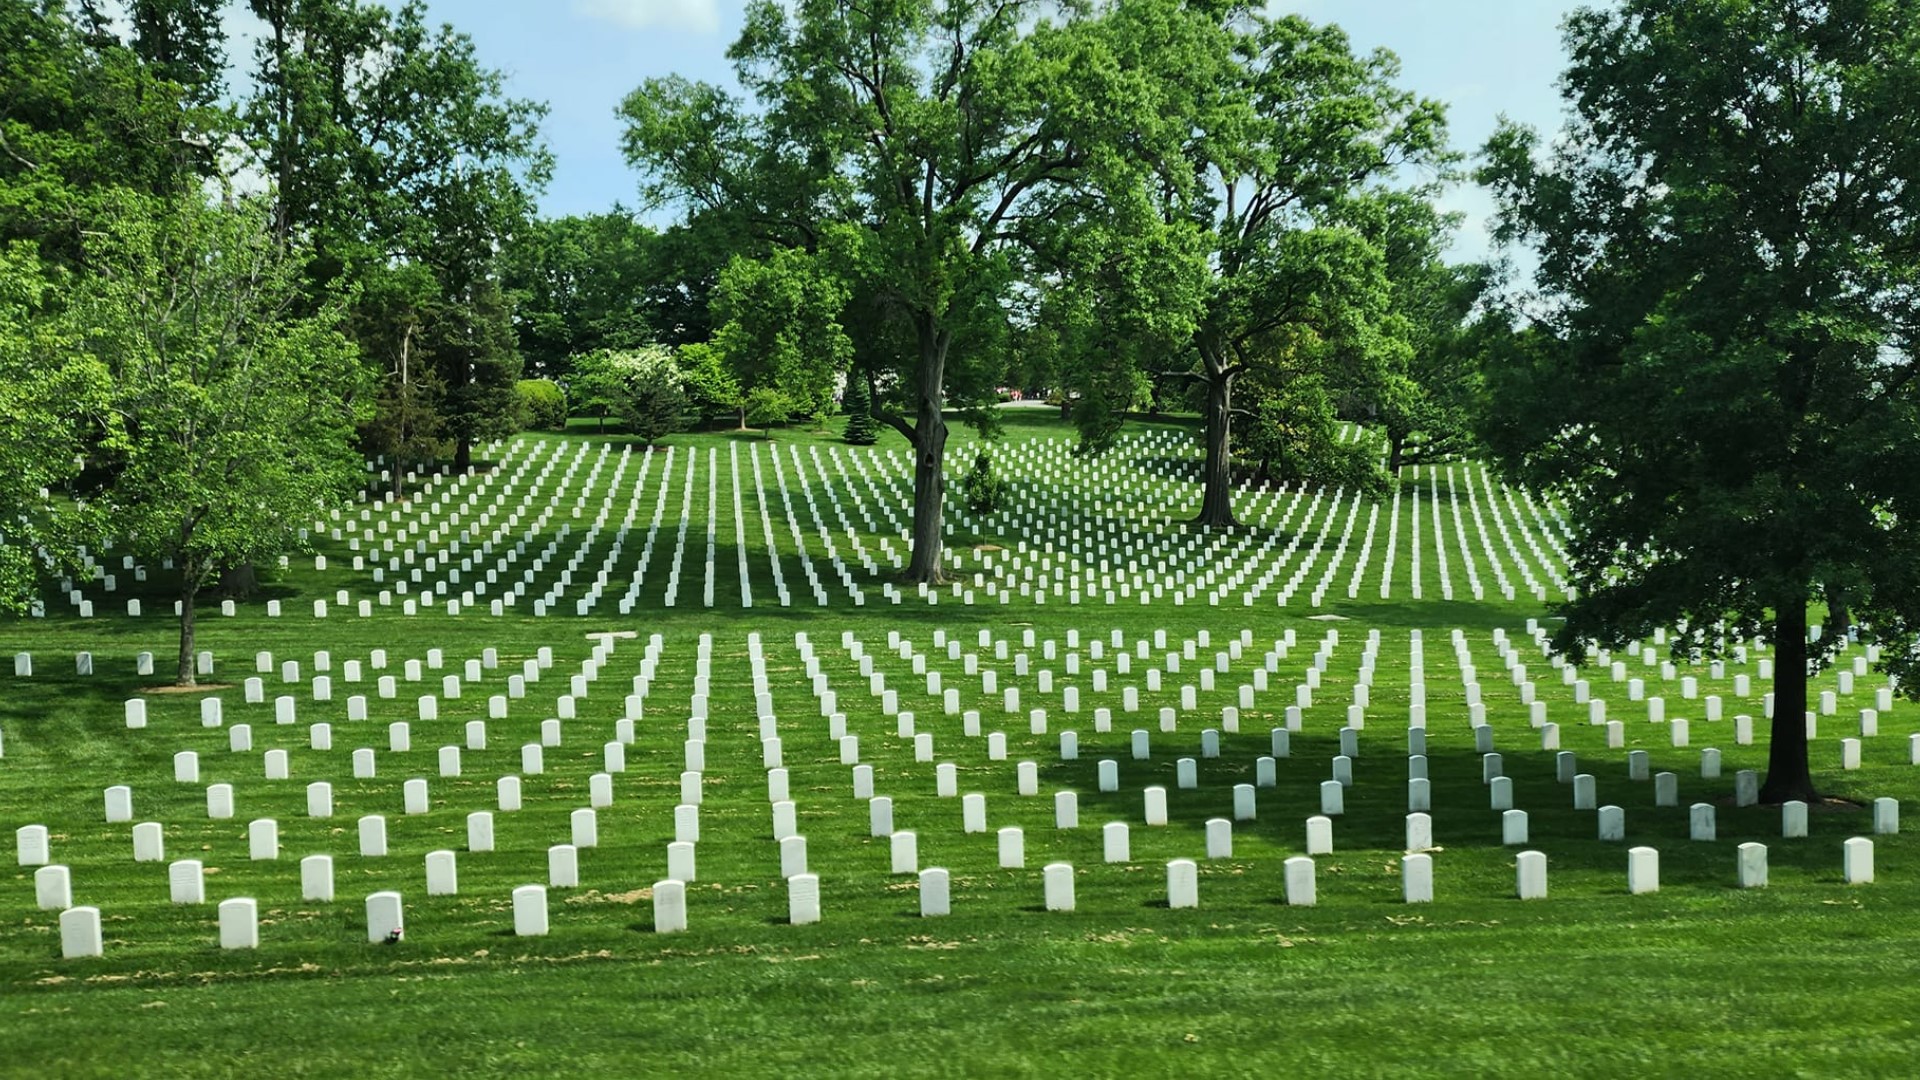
(52,395)
(238,410)
(1292,434)
(780,336)
(919,145)
(1291,133)
(862,429)
(398,158)
(711,388)
(643,387)
(543,406)
(981,489)
(1721,377)
(579,284)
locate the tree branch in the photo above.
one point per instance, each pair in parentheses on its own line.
(14,154)
(899,423)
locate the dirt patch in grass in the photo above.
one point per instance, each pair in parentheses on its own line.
(199,688)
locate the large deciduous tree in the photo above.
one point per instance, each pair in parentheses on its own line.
(1290,130)
(392,148)
(1426,401)
(52,397)
(1311,127)
(237,408)
(1728,231)
(579,283)
(780,336)
(924,141)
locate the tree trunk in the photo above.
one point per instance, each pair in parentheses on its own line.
(463,455)
(239,580)
(1216,504)
(1839,616)
(1788,775)
(1396,453)
(930,454)
(189,588)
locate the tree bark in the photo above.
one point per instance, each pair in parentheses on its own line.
(239,579)
(1396,453)
(930,453)
(1788,774)
(463,454)
(1839,616)
(189,589)
(1216,504)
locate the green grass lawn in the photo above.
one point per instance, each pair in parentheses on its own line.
(1809,976)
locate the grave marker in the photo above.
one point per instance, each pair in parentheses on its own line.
(530,911)
(386,918)
(239,923)
(53,888)
(80,933)
(316,878)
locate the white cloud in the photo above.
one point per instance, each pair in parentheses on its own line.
(698,16)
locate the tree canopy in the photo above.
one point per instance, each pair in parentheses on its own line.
(924,145)
(1722,377)
(237,408)
(1291,134)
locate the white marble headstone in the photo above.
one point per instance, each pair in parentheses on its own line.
(1057,880)
(386,917)
(530,911)
(239,923)
(53,888)
(80,932)
(803,899)
(1643,870)
(563,866)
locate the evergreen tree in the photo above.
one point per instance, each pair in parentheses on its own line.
(862,428)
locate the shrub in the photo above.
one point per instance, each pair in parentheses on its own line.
(541,405)
(980,488)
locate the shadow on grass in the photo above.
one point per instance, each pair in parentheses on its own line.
(1375,811)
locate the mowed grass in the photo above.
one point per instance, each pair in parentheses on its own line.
(1806,977)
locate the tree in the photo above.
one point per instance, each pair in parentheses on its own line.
(393,150)
(594,385)
(1720,378)
(1430,406)
(1291,137)
(643,387)
(238,412)
(921,143)
(406,428)
(712,391)
(543,407)
(1326,124)
(52,395)
(862,429)
(579,283)
(83,117)
(1425,393)
(780,335)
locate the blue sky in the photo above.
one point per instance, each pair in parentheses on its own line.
(1483,57)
